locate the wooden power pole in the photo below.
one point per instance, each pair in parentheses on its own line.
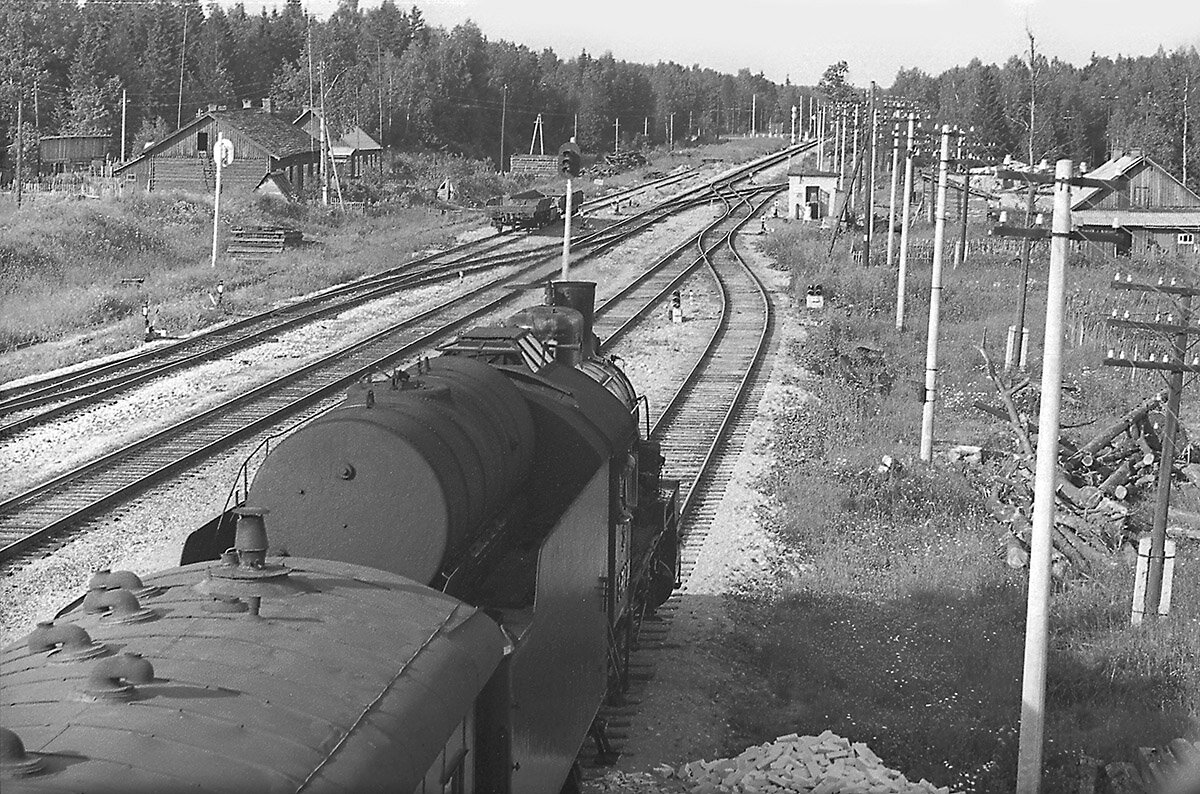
(1175,365)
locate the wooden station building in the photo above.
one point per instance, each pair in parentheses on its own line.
(262,144)
(1160,215)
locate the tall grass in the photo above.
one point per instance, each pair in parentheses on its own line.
(896,621)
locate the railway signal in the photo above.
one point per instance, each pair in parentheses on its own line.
(569,161)
(222,155)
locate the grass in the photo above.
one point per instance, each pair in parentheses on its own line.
(69,268)
(896,621)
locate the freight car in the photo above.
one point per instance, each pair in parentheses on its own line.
(461,554)
(529,210)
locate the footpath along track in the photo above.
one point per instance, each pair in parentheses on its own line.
(702,431)
(30,521)
(33,403)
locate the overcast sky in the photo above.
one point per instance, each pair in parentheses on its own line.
(799,38)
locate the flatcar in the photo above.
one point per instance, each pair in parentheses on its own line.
(529,210)
(460,554)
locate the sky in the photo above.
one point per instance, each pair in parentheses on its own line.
(797,39)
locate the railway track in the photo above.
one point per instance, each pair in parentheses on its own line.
(31,404)
(34,403)
(702,430)
(30,521)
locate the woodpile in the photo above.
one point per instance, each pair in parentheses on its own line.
(614,163)
(825,764)
(1098,486)
(255,242)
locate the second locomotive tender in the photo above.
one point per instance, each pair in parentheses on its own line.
(510,474)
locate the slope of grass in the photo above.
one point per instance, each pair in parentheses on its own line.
(896,621)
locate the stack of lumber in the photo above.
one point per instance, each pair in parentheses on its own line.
(542,166)
(1097,488)
(825,764)
(255,242)
(616,162)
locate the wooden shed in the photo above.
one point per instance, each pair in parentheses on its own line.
(68,153)
(262,144)
(1150,233)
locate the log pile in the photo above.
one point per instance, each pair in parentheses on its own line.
(256,242)
(825,764)
(1098,485)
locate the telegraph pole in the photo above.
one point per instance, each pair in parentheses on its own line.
(965,195)
(182,54)
(753,115)
(793,125)
(1176,366)
(891,234)
(870,183)
(905,218)
(616,138)
(503,114)
(1037,615)
(123,108)
(935,302)
(20,144)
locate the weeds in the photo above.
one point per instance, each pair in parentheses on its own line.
(897,622)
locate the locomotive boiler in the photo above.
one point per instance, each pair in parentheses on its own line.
(506,520)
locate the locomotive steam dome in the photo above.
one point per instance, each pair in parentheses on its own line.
(402,474)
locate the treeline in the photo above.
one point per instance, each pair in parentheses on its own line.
(383,68)
(1081,112)
(412,84)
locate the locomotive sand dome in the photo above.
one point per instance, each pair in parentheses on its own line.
(404,473)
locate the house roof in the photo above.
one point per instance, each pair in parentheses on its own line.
(279,138)
(811,172)
(354,139)
(273,135)
(1139,219)
(1115,169)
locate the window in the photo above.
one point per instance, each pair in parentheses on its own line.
(1186,238)
(202,142)
(1141,197)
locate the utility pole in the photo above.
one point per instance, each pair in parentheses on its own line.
(854,162)
(793,125)
(37,113)
(821,139)
(1185,127)
(646,126)
(671,132)
(935,302)
(891,234)
(905,218)
(503,118)
(182,54)
(753,115)
(616,135)
(870,183)
(1037,614)
(123,108)
(1026,246)
(382,137)
(324,148)
(965,196)
(20,144)
(1176,366)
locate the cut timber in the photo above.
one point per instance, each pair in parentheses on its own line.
(1108,434)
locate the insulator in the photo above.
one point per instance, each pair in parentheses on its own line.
(1112,353)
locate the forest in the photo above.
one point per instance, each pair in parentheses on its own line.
(414,85)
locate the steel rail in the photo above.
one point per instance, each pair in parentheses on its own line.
(80,389)
(30,518)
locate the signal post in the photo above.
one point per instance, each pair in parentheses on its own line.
(569,161)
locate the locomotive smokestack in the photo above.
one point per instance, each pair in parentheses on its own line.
(580,296)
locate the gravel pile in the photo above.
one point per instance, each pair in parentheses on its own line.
(824,764)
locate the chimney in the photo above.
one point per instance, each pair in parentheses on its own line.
(222,107)
(245,104)
(1134,152)
(266,104)
(212,106)
(580,296)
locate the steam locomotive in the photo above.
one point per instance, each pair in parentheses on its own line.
(461,552)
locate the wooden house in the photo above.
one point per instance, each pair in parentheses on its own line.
(354,152)
(262,144)
(1159,214)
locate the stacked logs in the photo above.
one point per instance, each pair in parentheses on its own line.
(1097,486)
